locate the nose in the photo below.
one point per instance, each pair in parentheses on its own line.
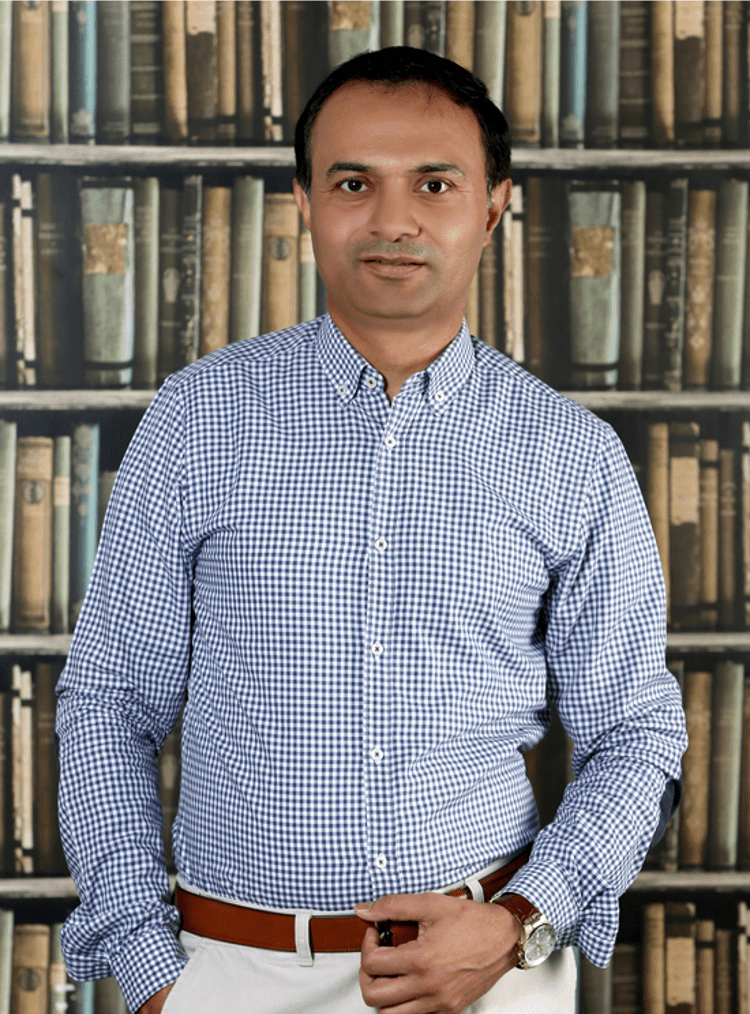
(393,212)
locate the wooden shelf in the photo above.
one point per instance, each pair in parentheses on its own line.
(692,880)
(33,399)
(35,644)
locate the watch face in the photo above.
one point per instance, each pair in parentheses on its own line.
(540,945)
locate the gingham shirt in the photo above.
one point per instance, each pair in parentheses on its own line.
(370,606)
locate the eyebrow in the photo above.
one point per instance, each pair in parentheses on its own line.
(426,167)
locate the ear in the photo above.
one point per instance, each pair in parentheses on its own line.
(500,201)
(300,199)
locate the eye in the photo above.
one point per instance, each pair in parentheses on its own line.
(443,183)
(356,182)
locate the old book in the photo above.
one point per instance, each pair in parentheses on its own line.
(662,72)
(728,493)
(60,309)
(190,271)
(684,524)
(696,770)
(146,281)
(714,32)
(59,986)
(723,970)
(594,209)
(32,557)
(60,615)
(170,264)
(59,78)
(459,33)
(743,845)
(280,301)
(226,55)
(657,495)
(742,980)
(31,71)
(699,295)
(24,280)
(733,115)
(105,485)
(679,957)
(726,732)
(709,523)
(490,278)
(146,72)
(216,269)
(675,269)
(305,64)
(82,72)
(489,47)
(689,71)
(704,965)
(667,851)
(175,71)
(201,62)
(7,334)
(513,224)
(8,448)
(392,24)
(653,322)
(523,73)
(635,74)
(633,253)
(573,60)
(744,506)
(6,958)
(626,976)
(433,19)
(353,27)
(546,284)
(603,75)
(308,274)
(247,256)
(31,969)
(6,63)
(108,280)
(551,74)
(248,72)
(113,72)
(271,63)
(50,861)
(594,987)
(731,253)
(22,773)
(108,998)
(7,856)
(653,958)
(84,512)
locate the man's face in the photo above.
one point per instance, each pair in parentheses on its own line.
(398,173)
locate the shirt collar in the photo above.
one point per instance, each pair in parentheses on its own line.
(440,381)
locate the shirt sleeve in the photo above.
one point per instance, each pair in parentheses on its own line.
(118,697)
(605,638)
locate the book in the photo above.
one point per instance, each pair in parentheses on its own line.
(573,63)
(731,253)
(82,42)
(392,24)
(22,761)
(594,987)
(675,269)
(24,280)
(459,23)
(603,75)
(654,979)
(6,958)
(514,227)
(146,71)
(353,27)
(7,846)
(190,271)
(733,116)
(524,61)
(550,74)
(216,268)
(31,947)
(8,447)
(699,289)
(49,860)
(662,73)
(726,732)
(108,998)
(632,277)
(743,972)
(696,770)
(84,512)
(201,63)
(59,986)
(105,485)
(714,70)
(594,210)
(704,965)
(59,78)
(280,272)
(434,25)
(31,71)
(546,285)
(60,608)
(489,46)
(626,979)
(175,71)
(108,280)
(744,506)
(653,322)
(170,266)
(635,75)
(657,496)
(6,63)
(248,72)
(679,957)
(689,71)
(728,493)
(723,970)
(270,56)
(146,281)
(743,844)
(32,555)
(709,527)
(7,335)
(113,72)
(684,524)
(226,57)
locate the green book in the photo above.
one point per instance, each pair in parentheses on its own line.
(113,72)
(675,270)
(6,959)
(729,290)
(8,444)
(60,81)
(108,280)
(146,71)
(635,74)
(84,497)
(61,535)
(632,284)
(347,37)
(489,46)
(146,337)
(594,210)
(603,75)
(550,76)
(247,257)
(726,740)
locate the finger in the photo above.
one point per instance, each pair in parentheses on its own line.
(384,961)
(402,907)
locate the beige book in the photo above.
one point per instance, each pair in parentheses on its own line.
(699,288)
(24,285)
(662,71)
(280,299)
(32,557)
(679,957)
(745,508)
(308,275)
(704,966)
(488,269)
(459,33)
(653,958)
(513,277)
(31,71)
(709,522)
(31,949)
(714,34)
(175,73)
(471,310)
(226,39)
(743,972)
(216,269)
(723,969)
(657,493)
(696,770)
(271,69)
(523,73)
(743,845)
(22,769)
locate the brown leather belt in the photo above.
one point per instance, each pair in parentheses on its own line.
(275,931)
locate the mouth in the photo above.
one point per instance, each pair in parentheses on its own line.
(393,267)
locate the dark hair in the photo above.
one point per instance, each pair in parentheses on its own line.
(395,66)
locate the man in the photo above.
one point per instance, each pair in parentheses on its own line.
(372,550)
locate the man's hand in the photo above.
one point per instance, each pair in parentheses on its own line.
(155,1003)
(463,948)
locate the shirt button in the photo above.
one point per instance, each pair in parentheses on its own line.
(439,396)
(377,648)
(381,862)
(377,754)
(371,382)
(390,442)
(381,544)
(341,389)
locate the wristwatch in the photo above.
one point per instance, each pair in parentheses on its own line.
(538,936)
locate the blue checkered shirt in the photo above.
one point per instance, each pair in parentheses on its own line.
(370,607)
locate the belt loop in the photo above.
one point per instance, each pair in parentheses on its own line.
(477,891)
(302,938)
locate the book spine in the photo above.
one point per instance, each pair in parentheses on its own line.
(175,71)
(280,262)
(742,966)
(308,274)
(653,958)
(23,280)
(704,965)
(727,535)
(679,957)
(546,302)
(696,767)
(392,24)
(513,225)
(743,846)
(31,71)
(190,269)
(271,64)
(32,557)
(689,71)
(523,72)
(675,269)
(25,846)
(745,508)
(202,69)
(108,281)
(731,253)
(434,24)
(635,74)
(6,63)
(662,72)
(246,72)
(105,485)
(6,958)
(714,32)
(61,535)
(594,216)
(50,860)
(226,98)
(573,60)
(723,967)
(83,70)
(216,268)
(657,496)
(459,33)
(59,987)
(632,284)
(146,71)
(551,75)
(489,47)
(653,322)
(146,336)
(170,264)
(726,730)
(8,449)
(709,527)
(699,294)
(31,946)
(489,274)
(684,517)
(732,115)
(7,338)
(113,72)
(603,75)
(353,27)
(84,512)
(59,72)
(625,978)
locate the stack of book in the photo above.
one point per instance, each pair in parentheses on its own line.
(574,73)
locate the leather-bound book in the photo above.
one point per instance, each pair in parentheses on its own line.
(699,295)
(32,558)
(280,307)
(523,72)
(726,734)
(696,770)
(689,71)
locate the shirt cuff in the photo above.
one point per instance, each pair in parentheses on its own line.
(146,962)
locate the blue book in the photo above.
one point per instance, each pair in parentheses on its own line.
(84,512)
(82,72)
(573,30)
